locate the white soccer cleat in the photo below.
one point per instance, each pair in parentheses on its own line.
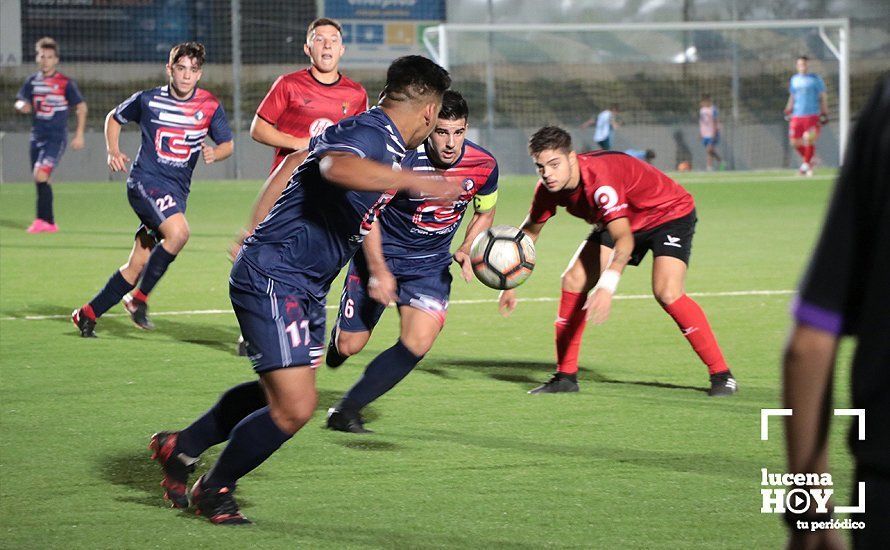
(804,169)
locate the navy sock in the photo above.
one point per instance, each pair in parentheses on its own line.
(216,424)
(155,268)
(113,293)
(253,440)
(45,201)
(381,375)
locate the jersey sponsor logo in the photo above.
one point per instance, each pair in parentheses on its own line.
(319,125)
(176,145)
(606,197)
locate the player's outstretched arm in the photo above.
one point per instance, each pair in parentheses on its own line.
(382,286)
(507,298)
(599,302)
(480,222)
(117,160)
(267,134)
(350,171)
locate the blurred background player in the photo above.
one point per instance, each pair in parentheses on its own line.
(808,108)
(634,208)
(174,120)
(405,259)
(709,128)
(647,155)
(845,291)
(47,96)
(605,122)
(283,273)
(302,104)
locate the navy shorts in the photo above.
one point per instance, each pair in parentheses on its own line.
(420,286)
(46,154)
(154,203)
(605,144)
(282,325)
(673,238)
(706,141)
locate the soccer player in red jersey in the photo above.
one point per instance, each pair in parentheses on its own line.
(302,104)
(634,208)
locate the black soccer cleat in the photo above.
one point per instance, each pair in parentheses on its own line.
(346,420)
(84,324)
(217,504)
(723,384)
(332,358)
(138,312)
(558,383)
(176,472)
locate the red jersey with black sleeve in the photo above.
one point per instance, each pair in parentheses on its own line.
(615,185)
(299,105)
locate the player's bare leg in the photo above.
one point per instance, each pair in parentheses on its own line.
(175,233)
(292,399)
(350,343)
(668,287)
(120,283)
(419,330)
(577,280)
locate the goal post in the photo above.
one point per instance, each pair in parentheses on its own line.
(518,77)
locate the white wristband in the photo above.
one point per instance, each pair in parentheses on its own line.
(608,281)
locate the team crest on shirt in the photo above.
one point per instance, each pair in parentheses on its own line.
(199,115)
(468,184)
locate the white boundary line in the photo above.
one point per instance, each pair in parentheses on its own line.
(454,302)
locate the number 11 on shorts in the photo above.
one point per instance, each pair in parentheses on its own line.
(293,330)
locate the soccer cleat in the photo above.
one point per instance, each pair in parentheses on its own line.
(176,472)
(345,420)
(558,383)
(723,384)
(84,324)
(804,169)
(138,312)
(217,504)
(332,358)
(42,226)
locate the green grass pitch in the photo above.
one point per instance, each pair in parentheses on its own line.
(641,458)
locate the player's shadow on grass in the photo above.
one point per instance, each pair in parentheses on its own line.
(221,338)
(135,470)
(516,371)
(602,379)
(12,224)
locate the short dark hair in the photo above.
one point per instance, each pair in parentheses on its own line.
(47,43)
(650,155)
(413,77)
(188,49)
(454,106)
(801,56)
(550,138)
(706,97)
(321,22)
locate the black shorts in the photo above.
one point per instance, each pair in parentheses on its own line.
(673,238)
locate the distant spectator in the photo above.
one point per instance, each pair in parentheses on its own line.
(605,122)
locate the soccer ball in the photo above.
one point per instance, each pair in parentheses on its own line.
(503,257)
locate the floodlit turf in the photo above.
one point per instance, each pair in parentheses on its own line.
(640,458)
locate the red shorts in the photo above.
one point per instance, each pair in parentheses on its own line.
(802,124)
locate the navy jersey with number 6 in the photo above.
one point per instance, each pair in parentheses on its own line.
(172,133)
(417,227)
(316,226)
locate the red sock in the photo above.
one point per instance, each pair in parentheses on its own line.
(88,310)
(694,324)
(808,152)
(802,151)
(137,294)
(569,328)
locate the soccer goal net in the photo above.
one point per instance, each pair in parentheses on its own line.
(520,77)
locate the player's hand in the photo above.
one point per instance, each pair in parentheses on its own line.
(23,107)
(598,306)
(117,161)
(235,247)
(209,153)
(823,119)
(382,287)
(466,267)
(786,114)
(507,302)
(77,143)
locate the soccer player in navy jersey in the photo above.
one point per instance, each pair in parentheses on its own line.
(283,273)
(174,120)
(633,208)
(405,260)
(48,95)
